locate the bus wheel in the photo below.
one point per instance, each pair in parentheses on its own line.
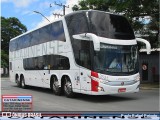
(22,82)
(17,81)
(68,88)
(55,87)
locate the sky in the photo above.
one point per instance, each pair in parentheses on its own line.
(23,10)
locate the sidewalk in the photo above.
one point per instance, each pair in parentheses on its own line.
(149,86)
(4,78)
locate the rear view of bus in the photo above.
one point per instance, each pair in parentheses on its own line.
(105,49)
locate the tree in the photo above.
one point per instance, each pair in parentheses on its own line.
(142,14)
(10,28)
(4,59)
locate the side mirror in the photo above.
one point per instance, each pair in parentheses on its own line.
(89,37)
(148,46)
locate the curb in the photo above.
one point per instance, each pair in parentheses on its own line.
(5,78)
(148,88)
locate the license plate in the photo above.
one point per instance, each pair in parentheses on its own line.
(122,90)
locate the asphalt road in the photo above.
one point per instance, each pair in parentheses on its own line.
(45,100)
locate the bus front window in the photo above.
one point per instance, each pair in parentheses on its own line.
(116,59)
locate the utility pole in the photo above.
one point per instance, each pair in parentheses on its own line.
(64,6)
(55,14)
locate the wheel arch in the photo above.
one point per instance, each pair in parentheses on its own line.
(16,76)
(21,75)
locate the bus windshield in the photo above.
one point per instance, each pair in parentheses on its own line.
(116,59)
(110,26)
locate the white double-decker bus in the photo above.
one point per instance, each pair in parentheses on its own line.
(89,52)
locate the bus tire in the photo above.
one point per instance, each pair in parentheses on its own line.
(22,83)
(17,80)
(54,86)
(67,86)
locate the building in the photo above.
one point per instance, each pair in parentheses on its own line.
(149,65)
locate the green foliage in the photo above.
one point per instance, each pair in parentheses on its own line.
(136,11)
(4,59)
(10,28)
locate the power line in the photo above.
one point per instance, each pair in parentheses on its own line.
(64,6)
(55,14)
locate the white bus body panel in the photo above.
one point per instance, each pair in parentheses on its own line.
(79,76)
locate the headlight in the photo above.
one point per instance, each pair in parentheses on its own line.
(137,78)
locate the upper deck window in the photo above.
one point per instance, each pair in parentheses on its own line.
(100,23)
(51,32)
(110,26)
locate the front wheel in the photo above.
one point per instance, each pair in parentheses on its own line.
(68,88)
(17,81)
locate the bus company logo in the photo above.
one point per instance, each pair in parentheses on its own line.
(122,83)
(16,103)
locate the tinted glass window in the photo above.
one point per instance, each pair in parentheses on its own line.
(53,62)
(57,31)
(77,23)
(34,37)
(44,34)
(82,52)
(26,41)
(110,26)
(63,63)
(41,62)
(54,31)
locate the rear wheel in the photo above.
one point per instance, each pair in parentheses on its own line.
(22,83)
(55,86)
(17,81)
(68,87)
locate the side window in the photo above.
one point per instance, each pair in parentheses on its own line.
(57,31)
(85,60)
(35,64)
(35,37)
(31,64)
(41,62)
(26,64)
(64,63)
(16,44)
(19,43)
(26,41)
(44,34)
(58,62)
(77,23)
(83,53)
(53,62)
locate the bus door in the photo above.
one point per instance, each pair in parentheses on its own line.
(44,70)
(84,70)
(46,76)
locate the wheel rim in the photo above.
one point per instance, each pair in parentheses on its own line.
(55,85)
(17,81)
(68,86)
(23,84)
